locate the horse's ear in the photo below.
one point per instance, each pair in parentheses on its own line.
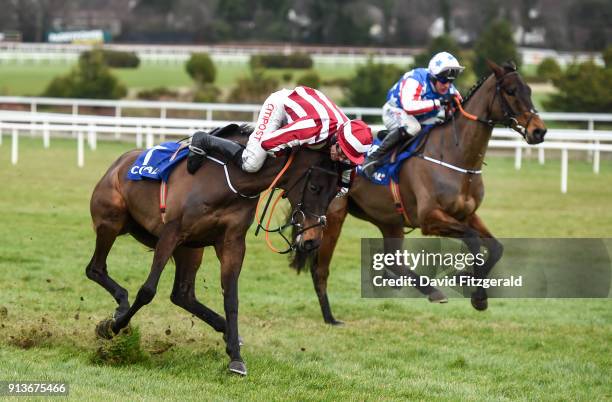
(511,65)
(497,70)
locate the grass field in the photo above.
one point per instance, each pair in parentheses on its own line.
(388,349)
(31,79)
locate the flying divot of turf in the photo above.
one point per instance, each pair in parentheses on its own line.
(123,349)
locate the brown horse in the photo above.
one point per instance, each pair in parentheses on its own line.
(210,208)
(439,199)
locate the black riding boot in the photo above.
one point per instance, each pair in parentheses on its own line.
(375,159)
(204,143)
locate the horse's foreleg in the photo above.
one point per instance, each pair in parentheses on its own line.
(439,223)
(319,270)
(187,262)
(394,240)
(164,249)
(230,251)
(495,250)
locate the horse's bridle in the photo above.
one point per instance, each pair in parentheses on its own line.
(510,116)
(298,211)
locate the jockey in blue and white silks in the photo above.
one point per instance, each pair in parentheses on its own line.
(419,98)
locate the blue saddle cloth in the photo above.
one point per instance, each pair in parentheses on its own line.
(156,163)
(390,171)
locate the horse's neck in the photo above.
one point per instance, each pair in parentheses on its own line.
(472,137)
(252,183)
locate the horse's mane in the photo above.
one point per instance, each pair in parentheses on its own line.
(238,133)
(474,88)
(508,66)
(246,129)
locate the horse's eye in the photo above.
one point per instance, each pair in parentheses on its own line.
(314,188)
(511,91)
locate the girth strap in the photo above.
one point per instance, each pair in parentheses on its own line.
(163,188)
(397,196)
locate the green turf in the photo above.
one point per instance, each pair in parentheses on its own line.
(31,79)
(388,350)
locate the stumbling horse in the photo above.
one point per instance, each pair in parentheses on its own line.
(441,188)
(214,207)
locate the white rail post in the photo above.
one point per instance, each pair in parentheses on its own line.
(149,137)
(564,170)
(117,115)
(162,137)
(590,128)
(138,137)
(596,158)
(80,149)
(209,113)
(541,157)
(518,153)
(0,133)
(15,147)
(92,137)
(46,135)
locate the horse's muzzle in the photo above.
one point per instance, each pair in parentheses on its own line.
(308,246)
(536,136)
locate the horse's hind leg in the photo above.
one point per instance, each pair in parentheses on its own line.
(166,244)
(97,271)
(319,269)
(187,262)
(109,217)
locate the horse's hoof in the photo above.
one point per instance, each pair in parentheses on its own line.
(104,329)
(437,296)
(479,304)
(335,322)
(238,367)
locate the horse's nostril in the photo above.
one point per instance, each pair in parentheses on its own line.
(539,132)
(309,245)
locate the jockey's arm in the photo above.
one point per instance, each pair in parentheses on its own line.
(410,98)
(303,131)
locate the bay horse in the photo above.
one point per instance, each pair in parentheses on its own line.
(440,199)
(213,207)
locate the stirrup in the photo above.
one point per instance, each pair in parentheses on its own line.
(196,150)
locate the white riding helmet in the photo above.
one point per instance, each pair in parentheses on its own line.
(444,67)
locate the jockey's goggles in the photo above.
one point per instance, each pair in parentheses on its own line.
(448,75)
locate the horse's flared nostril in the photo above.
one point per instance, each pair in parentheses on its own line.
(309,245)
